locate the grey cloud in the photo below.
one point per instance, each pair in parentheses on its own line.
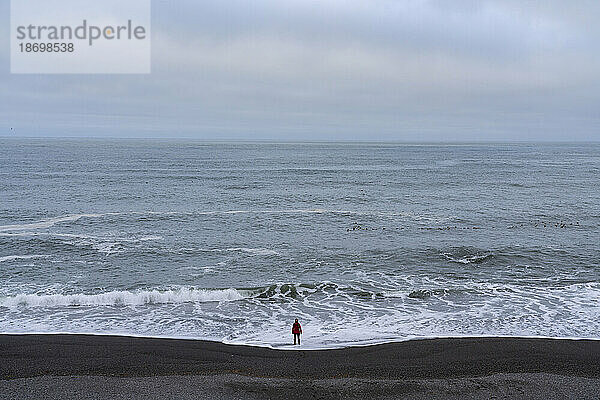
(389,70)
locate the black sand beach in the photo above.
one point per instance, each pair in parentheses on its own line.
(82,366)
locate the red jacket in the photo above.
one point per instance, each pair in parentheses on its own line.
(296,328)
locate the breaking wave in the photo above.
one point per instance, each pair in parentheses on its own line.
(26,257)
(281,291)
(47,223)
(251,251)
(126,298)
(465,255)
(179,295)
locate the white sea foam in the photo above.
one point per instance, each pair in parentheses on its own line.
(148,238)
(333,315)
(251,251)
(107,245)
(125,298)
(376,213)
(467,259)
(258,252)
(23,257)
(47,223)
(50,222)
(290,211)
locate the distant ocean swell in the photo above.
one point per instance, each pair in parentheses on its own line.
(65,219)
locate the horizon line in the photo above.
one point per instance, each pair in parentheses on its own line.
(301,141)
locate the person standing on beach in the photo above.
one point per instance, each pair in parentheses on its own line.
(296,331)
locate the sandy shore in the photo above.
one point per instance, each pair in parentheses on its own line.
(90,367)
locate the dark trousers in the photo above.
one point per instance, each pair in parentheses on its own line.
(296,335)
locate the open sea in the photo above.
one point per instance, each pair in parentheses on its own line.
(363,243)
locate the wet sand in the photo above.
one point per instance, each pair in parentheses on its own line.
(90,367)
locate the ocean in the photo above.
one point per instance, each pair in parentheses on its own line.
(362,242)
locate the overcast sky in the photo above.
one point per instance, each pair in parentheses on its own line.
(334,69)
